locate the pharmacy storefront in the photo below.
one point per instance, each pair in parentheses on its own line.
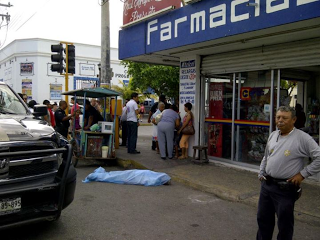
(239,60)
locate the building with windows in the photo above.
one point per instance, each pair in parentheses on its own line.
(239,61)
(25,66)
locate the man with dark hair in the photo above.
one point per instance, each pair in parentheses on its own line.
(54,107)
(62,120)
(92,116)
(281,172)
(31,105)
(132,123)
(50,116)
(75,105)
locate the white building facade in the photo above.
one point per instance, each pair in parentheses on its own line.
(25,66)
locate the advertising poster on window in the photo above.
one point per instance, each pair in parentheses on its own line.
(134,10)
(187,82)
(55,91)
(26,69)
(27,87)
(88,84)
(216,112)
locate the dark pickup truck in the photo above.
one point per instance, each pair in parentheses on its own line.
(37,178)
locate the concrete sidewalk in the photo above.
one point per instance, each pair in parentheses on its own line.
(229,183)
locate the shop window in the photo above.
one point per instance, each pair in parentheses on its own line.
(219,97)
(252,113)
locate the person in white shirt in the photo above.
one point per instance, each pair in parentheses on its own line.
(132,123)
(123,124)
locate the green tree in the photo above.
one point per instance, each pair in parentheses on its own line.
(162,79)
(126,91)
(288,85)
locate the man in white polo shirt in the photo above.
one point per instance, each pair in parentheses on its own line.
(132,123)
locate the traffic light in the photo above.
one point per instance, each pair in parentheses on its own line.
(70,58)
(57,58)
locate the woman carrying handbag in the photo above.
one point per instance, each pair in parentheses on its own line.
(186,130)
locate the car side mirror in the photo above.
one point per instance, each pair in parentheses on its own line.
(40,110)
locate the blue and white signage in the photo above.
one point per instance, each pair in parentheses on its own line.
(188,82)
(87,69)
(208,20)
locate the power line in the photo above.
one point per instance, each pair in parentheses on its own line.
(5,39)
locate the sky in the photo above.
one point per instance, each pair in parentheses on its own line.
(76,21)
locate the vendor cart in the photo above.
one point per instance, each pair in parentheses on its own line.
(95,145)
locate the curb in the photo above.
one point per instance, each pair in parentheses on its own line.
(225,195)
(250,198)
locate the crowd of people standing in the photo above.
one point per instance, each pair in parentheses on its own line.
(167,134)
(62,122)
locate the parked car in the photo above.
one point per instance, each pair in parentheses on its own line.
(147,105)
(37,179)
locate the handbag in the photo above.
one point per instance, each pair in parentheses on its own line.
(157,119)
(188,130)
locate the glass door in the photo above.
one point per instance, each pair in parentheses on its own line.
(255,109)
(218,111)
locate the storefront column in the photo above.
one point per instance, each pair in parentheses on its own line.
(190,91)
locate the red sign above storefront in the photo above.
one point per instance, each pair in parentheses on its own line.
(134,10)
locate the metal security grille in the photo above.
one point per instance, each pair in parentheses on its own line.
(287,55)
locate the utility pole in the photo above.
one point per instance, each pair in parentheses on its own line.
(105,76)
(5,16)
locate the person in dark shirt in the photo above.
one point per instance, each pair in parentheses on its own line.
(301,117)
(62,120)
(92,116)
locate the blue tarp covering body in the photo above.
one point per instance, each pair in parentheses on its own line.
(133,177)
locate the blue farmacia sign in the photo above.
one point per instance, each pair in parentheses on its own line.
(209,20)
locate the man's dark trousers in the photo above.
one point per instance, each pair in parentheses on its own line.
(124,133)
(273,201)
(132,136)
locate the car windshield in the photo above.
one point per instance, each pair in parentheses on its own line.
(9,102)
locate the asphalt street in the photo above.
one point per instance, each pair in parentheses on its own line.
(110,211)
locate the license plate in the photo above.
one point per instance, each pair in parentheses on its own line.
(10,205)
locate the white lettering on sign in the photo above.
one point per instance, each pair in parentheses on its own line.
(196,18)
(151,29)
(257,9)
(176,23)
(217,16)
(272,7)
(218,12)
(216,95)
(187,82)
(166,31)
(302,2)
(234,17)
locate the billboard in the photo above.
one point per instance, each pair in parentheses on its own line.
(134,10)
